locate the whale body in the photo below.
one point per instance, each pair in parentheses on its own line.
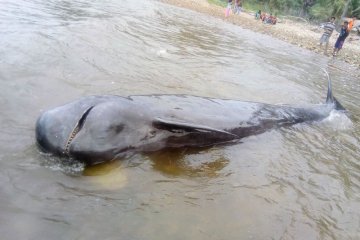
(96,129)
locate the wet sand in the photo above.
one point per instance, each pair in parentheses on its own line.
(301,34)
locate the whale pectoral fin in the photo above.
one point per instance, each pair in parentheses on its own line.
(193,135)
(173,126)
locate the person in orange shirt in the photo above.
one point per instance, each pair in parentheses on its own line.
(351,24)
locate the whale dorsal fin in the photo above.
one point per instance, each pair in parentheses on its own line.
(330,99)
(174,126)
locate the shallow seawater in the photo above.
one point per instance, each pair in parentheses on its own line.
(300,182)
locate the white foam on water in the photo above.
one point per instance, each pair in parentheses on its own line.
(338,120)
(162,52)
(67,166)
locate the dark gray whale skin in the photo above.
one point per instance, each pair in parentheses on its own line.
(97,129)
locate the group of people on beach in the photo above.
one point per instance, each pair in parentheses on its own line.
(266,18)
(236,8)
(328,27)
(343,34)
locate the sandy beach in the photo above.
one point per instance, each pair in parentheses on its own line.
(301,34)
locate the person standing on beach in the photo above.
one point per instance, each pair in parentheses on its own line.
(258,14)
(328,30)
(237,8)
(228,8)
(351,23)
(341,39)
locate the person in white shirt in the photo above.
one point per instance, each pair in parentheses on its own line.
(328,30)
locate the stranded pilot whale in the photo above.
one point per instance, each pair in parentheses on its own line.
(97,129)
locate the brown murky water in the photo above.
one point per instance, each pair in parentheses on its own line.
(301,182)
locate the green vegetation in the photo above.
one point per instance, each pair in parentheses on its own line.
(222,3)
(316,10)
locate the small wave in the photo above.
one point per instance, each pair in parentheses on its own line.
(338,120)
(162,53)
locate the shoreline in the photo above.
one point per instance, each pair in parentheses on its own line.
(303,35)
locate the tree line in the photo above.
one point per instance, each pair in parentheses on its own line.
(317,10)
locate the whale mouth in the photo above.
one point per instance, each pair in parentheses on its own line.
(79,125)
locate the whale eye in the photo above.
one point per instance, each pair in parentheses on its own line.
(116,128)
(152,133)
